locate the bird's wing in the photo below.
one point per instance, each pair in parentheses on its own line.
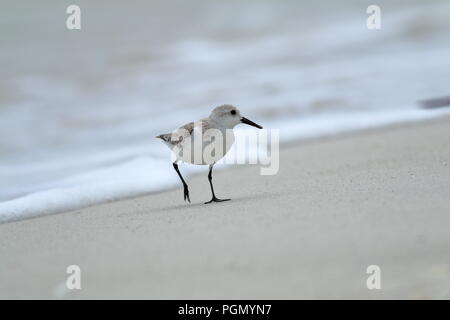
(184,132)
(178,135)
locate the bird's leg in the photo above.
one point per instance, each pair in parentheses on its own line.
(186,190)
(214,198)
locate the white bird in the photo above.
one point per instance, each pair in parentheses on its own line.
(205,142)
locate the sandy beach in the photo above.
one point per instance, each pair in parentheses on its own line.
(337,205)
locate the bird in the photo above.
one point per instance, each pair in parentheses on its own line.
(204,142)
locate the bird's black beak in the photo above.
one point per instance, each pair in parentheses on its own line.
(251,123)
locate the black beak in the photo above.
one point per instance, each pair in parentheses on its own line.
(251,123)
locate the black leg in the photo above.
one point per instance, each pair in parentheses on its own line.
(214,198)
(185,186)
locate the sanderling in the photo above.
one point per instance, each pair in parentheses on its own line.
(212,133)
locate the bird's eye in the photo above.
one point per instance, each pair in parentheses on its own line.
(233,112)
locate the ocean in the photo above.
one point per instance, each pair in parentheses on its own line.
(79,109)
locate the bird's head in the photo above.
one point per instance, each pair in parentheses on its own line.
(229,116)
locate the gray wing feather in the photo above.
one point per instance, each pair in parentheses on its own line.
(183,132)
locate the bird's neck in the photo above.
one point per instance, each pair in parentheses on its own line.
(221,125)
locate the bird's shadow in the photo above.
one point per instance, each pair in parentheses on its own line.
(210,205)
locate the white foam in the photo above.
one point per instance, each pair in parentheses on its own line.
(134,177)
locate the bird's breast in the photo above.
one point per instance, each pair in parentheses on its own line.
(208,147)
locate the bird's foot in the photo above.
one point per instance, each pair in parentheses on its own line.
(186,194)
(214,199)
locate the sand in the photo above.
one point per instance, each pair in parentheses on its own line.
(379,197)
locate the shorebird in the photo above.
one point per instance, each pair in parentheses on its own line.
(205,142)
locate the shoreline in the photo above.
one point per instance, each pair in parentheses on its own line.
(286,144)
(339,204)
